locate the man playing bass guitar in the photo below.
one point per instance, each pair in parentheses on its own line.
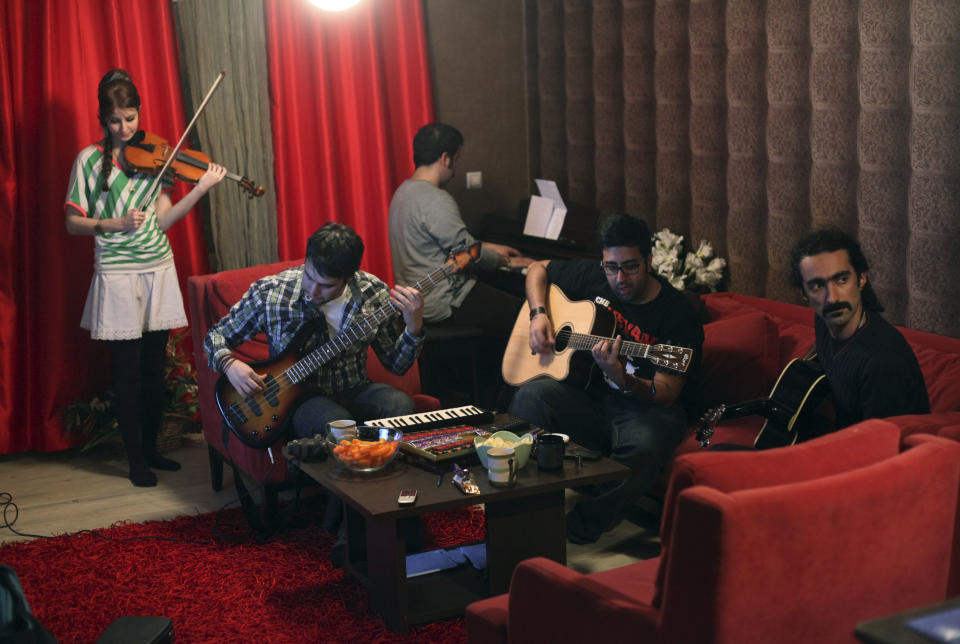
(328,292)
(631,410)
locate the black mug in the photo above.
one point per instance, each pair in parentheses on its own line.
(550,450)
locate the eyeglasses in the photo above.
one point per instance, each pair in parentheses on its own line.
(628,268)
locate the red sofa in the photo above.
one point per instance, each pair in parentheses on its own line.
(748,341)
(211,296)
(796,544)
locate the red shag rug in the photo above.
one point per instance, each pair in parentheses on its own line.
(282,590)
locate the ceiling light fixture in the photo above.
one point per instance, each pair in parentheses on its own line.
(334,5)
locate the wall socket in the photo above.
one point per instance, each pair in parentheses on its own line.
(474,180)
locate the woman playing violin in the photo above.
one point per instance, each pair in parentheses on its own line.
(134,298)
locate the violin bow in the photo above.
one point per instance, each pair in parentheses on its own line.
(150,195)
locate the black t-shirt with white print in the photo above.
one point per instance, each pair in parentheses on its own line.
(669,318)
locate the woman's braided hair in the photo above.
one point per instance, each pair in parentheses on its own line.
(115,90)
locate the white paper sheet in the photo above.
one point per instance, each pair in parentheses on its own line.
(539,215)
(556,223)
(550,190)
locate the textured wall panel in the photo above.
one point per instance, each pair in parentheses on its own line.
(707,138)
(639,110)
(935,165)
(750,122)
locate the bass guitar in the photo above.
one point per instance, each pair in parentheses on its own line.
(261,420)
(789,410)
(565,363)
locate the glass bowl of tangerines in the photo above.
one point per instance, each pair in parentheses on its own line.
(371,450)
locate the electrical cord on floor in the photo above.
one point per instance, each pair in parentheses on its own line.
(6,502)
(7,505)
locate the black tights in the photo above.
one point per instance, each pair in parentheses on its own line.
(138,385)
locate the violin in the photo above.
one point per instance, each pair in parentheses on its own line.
(148,153)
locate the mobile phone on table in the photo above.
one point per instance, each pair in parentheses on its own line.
(408,496)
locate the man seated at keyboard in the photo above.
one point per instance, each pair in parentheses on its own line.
(331,292)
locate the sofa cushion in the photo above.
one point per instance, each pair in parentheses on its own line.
(741,360)
(795,340)
(941,373)
(722,305)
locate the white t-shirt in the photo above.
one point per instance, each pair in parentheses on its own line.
(333,312)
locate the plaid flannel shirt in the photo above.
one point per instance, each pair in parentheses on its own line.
(276,306)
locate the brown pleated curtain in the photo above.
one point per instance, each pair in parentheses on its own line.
(748,123)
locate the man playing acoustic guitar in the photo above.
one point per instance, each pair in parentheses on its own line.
(631,410)
(329,291)
(872,371)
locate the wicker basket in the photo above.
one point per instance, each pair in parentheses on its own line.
(172,431)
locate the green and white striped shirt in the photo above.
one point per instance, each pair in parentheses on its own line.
(147,245)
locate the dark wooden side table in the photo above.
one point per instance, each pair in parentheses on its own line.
(523,521)
(893,629)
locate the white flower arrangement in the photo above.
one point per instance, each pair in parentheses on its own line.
(700,271)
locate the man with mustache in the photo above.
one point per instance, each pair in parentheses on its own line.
(872,371)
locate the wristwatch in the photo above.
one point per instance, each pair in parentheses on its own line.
(98,229)
(537,311)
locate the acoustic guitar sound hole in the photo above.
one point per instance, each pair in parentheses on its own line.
(561,339)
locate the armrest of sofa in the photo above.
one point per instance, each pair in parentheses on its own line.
(851,448)
(951,432)
(910,424)
(551,603)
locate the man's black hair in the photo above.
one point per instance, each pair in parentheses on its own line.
(432,140)
(620,229)
(335,250)
(828,241)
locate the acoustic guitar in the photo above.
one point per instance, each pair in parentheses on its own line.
(789,410)
(261,420)
(568,362)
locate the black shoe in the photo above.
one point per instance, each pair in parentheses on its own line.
(580,531)
(158,462)
(141,476)
(338,554)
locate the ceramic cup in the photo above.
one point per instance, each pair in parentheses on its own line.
(502,466)
(550,448)
(342,430)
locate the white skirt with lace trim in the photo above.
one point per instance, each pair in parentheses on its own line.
(123,303)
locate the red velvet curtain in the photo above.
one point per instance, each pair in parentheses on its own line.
(52,54)
(348,91)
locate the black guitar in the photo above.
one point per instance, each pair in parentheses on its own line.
(789,410)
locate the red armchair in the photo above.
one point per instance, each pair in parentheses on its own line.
(211,296)
(797,544)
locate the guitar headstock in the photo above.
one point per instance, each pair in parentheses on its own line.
(674,358)
(459,259)
(707,422)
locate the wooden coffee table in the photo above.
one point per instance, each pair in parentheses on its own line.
(523,521)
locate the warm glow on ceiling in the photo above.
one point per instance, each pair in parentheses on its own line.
(334,5)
